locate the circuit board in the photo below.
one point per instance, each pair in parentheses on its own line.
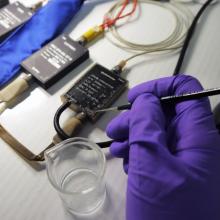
(97,89)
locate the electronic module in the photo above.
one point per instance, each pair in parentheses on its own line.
(11,17)
(97,89)
(55,60)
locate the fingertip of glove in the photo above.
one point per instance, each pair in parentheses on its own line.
(108,130)
(119,149)
(114,149)
(118,127)
(111,130)
(125,167)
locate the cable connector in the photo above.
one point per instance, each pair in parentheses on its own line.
(39,5)
(120,67)
(14,89)
(90,35)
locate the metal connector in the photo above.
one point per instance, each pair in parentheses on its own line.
(13,90)
(120,67)
(90,35)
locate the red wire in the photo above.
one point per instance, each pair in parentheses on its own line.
(132,11)
(108,22)
(121,11)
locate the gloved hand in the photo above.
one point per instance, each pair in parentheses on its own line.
(171,153)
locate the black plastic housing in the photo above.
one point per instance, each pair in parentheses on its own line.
(55,60)
(3,3)
(11,17)
(97,89)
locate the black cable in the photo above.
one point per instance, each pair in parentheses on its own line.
(3,3)
(189,37)
(105,144)
(56,121)
(60,131)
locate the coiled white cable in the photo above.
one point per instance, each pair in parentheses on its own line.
(182,16)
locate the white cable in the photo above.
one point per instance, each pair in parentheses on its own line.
(182,16)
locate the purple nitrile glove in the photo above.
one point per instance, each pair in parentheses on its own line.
(171,153)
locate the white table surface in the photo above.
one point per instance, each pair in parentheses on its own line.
(25,193)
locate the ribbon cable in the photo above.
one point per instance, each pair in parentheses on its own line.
(20,148)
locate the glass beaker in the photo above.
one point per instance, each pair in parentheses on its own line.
(75,168)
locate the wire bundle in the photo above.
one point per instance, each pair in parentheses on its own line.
(183,18)
(110,21)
